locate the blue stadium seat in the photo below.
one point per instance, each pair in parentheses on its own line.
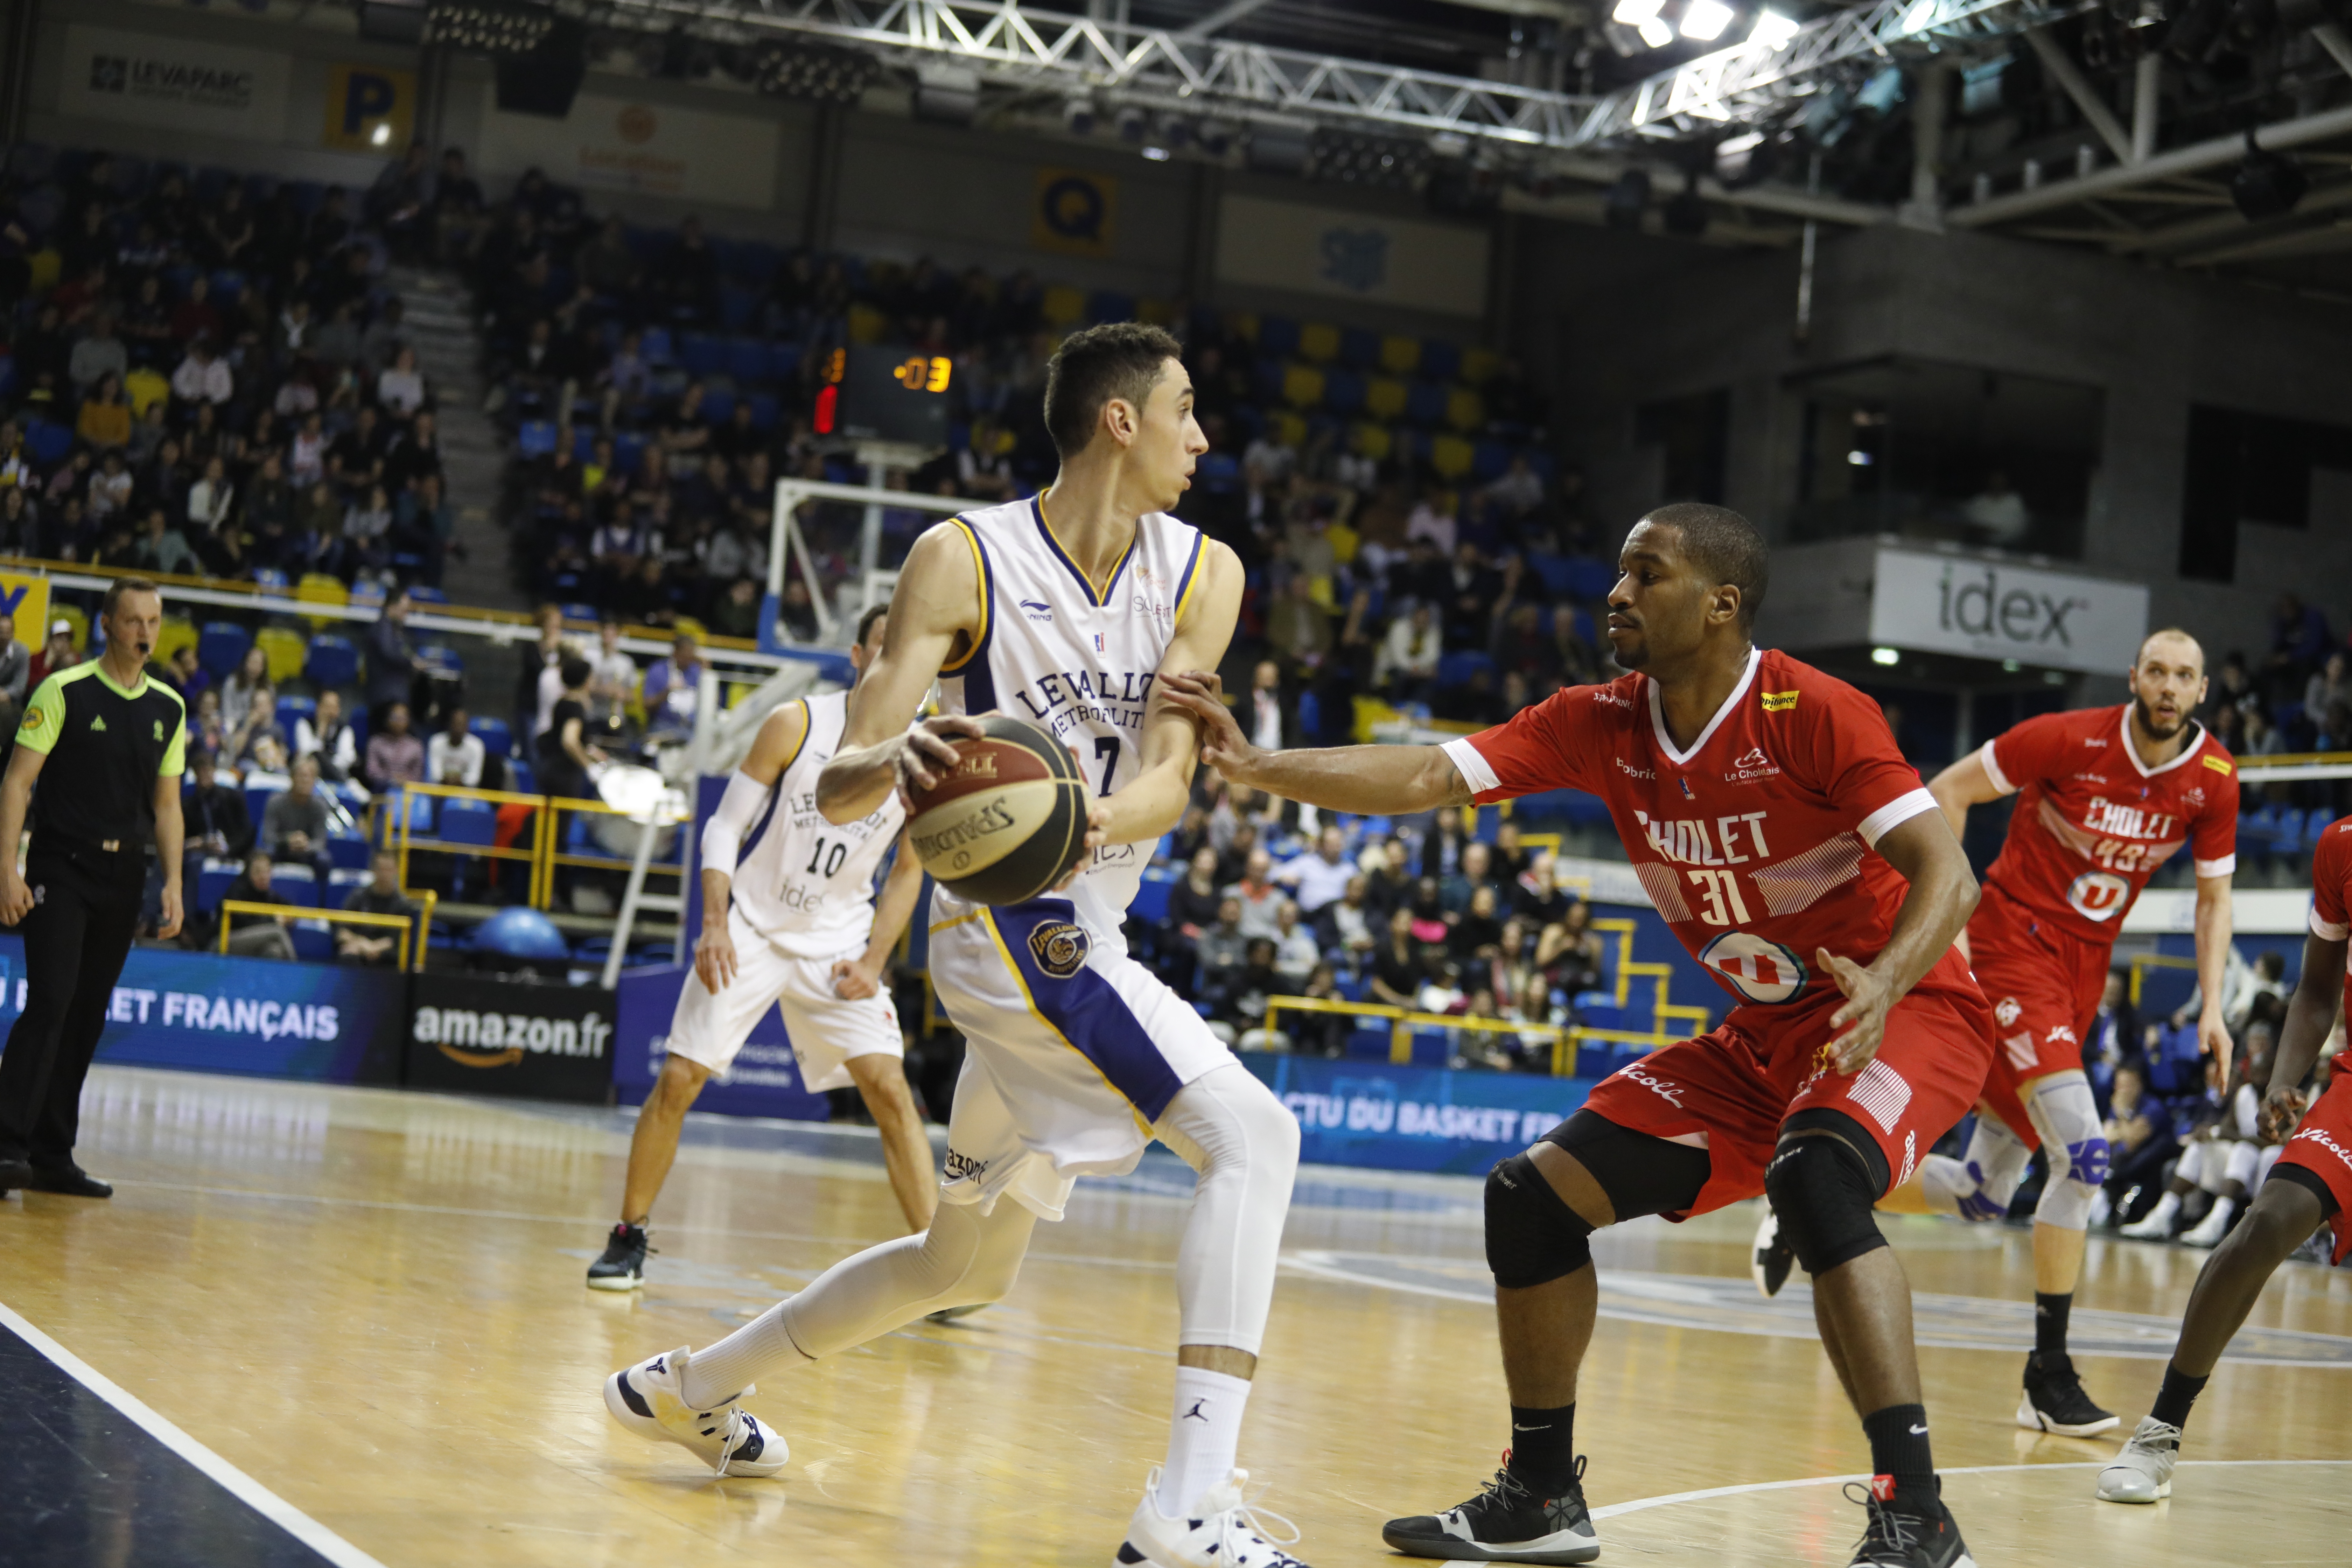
(1109,305)
(1456,668)
(270,580)
(784,361)
(426,593)
(1488,459)
(496,736)
(420,811)
(2286,839)
(299,885)
(520,779)
(655,344)
(48,442)
(1277,335)
(220,648)
(2315,823)
(1425,403)
(1151,894)
(1360,348)
(259,788)
(228,287)
(332,661)
(702,353)
(1557,573)
(746,359)
(346,851)
(1593,579)
(469,822)
(314,940)
(765,411)
(1440,360)
(291,709)
(737,306)
(718,405)
(1343,390)
(211,883)
(629,450)
(536,438)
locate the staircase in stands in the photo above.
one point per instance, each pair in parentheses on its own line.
(439,324)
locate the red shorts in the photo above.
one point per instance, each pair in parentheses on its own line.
(2322,1144)
(2044,986)
(1738,1082)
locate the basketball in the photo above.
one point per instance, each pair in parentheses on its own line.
(1008,822)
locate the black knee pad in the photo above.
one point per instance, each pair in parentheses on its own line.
(1821,1190)
(1532,1237)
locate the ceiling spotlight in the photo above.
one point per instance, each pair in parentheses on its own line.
(1079,116)
(1622,206)
(1771,30)
(1217,137)
(2266,185)
(1633,13)
(813,72)
(1655,33)
(1705,20)
(1157,154)
(1885,656)
(490,26)
(1132,123)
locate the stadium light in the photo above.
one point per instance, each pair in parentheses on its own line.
(1705,20)
(1885,656)
(1655,33)
(1771,30)
(1633,13)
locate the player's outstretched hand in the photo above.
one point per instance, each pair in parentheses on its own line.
(853,982)
(15,896)
(926,752)
(714,954)
(1864,1016)
(1098,818)
(2281,1109)
(1223,745)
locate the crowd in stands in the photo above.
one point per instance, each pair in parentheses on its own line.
(205,375)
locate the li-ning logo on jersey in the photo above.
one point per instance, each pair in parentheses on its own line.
(1059,947)
(1038,610)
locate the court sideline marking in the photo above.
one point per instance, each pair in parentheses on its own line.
(231,1479)
(1638,1505)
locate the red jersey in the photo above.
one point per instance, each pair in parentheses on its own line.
(2331,884)
(1755,844)
(2092,824)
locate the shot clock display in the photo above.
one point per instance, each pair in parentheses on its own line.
(876,393)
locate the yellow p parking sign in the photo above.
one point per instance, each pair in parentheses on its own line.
(369,109)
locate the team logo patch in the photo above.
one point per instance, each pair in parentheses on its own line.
(2006,1011)
(36,718)
(98,722)
(1760,970)
(159,729)
(2098,895)
(1059,947)
(2218,764)
(1780,702)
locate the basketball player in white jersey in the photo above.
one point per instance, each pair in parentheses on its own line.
(1066,610)
(790,920)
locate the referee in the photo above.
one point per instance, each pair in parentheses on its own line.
(112,743)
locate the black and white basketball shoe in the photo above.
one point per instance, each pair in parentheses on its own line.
(1507,1521)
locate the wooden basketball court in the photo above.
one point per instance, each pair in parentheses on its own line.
(371,1304)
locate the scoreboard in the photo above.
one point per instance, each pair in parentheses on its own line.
(870,393)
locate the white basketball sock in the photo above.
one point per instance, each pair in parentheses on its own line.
(724,1370)
(1206,1433)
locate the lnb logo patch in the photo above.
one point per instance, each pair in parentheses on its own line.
(109,73)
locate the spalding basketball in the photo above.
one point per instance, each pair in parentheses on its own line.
(1008,822)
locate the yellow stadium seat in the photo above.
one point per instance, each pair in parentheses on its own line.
(866,325)
(1319,340)
(286,648)
(1302,386)
(1384,395)
(72,614)
(1479,365)
(1159,312)
(47,266)
(1464,409)
(1369,713)
(1065,306)
(1399,356)
(1451,456)
(318,588)
(144,388)
(1243,324)
(1371,440)
(176,634)
(1288,429)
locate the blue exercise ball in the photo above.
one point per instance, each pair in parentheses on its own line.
(520,933)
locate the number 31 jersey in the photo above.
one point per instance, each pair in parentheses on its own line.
(1755,844)
(803,882)
(2091,822)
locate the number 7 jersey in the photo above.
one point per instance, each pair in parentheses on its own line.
(1755,844)
(1052,650)
(801,882)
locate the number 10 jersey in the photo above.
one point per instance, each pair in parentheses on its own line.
(1052,650)
(804,883)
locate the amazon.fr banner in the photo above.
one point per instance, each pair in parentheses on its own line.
(254,1017)
(1415,1119)
(498,1036)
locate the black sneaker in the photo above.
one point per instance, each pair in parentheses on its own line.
(1898,1537)
(1769,1262)
(73,1182)
(623,1266)
(16,1176)
(2054,1401)
(1505,1522)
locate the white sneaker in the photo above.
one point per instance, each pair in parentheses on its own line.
(2156,1227)
(2209,1231)
(645,1398)
(1226,1533)
(2142,1471)
(2102,1208)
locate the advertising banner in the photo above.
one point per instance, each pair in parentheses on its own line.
(1354,256)
(614,143)
(496,1036)
(25,599)
(324,1021)
(1415,1119)
(153,79)
(369,109)
(1992,609)
(765,1081)
(1075,212)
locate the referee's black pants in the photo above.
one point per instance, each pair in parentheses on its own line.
(76,940)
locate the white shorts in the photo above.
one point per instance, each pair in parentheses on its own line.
(1073,1052)
(825,1030)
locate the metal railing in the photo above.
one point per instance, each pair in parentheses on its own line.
(404,926)
(394,829)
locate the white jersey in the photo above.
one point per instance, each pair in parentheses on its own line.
(1051,650)
(801,882)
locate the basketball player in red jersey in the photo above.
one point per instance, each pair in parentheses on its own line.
(2310,1186)
(1778,829)
(2106,796)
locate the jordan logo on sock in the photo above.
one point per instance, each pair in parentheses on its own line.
(1194,1414)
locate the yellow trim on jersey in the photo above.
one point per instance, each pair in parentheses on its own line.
(1191,579)
(980,565)
(1054,544)
(996,936)
(959,920)
(808,724)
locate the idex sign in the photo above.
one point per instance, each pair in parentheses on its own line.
(1993,609)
